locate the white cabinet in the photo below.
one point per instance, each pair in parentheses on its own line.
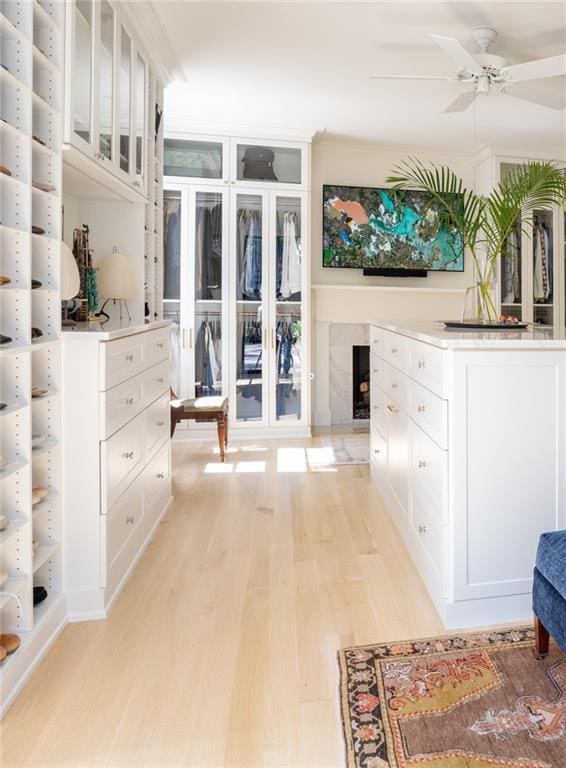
(530,280)
(236,282)
(106,109)
(471,463)
(116,456)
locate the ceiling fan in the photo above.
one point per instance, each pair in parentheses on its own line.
(483,70)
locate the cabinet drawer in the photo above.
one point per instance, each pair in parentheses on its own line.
(426,529)
(377,341)
(430,412)
(122,520)
(426,365)
(397,351)
(156,424)
(119,405)
(120,360)
(122,458)
(378,452)
(397,387)
(378,372)
(428,465)
(378,409)
(155,382)
(157,478)
(156,345)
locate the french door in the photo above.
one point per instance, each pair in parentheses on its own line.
(267,308)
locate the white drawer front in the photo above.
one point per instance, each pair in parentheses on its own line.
(428,465)
(397,387)
(378,372)
(122,520)
(155,382)
(397,351)
(378,452)
(426,529)
(122,458)
(157,478)
(119,405)
(377,341)
(157,424)
(120,360)
(430,412)
(426,365)
(156,346)
(378,406)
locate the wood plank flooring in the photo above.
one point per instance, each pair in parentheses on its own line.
(221,650)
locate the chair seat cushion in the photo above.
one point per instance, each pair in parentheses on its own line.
(551,559)
(199,404)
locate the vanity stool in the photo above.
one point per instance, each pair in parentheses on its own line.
(204,409)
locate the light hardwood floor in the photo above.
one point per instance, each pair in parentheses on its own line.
(221,650)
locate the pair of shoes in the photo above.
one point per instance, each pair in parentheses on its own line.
(4,522)
(3,405)
(4,279)
(37,441)
(5,339)
(36,283)
(39,595)
(38,494)
(8,644)
(36,332)
(37,230)
(38,392)
(5,171)
(42,186)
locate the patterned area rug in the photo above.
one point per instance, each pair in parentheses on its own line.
(348,449)
(467,701)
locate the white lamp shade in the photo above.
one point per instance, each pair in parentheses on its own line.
(117,276)
(70,277)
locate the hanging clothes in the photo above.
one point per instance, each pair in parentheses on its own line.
(511,270)
(250,252)
(208,370)
(208,252)
(542,280)
(172,249)
(291,257)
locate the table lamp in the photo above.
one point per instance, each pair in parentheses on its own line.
(117,281)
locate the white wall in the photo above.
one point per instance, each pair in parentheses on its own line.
(345,295)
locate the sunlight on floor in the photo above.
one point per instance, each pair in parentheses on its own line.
(288,460)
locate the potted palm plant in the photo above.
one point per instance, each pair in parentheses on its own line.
(485,221)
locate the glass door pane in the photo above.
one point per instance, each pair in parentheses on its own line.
(194,159)
(543,268)
(124,100)
(106,75)
(172,214)
(512,274)
(250,336)
(82,70)
(208,246)
(269,163)
(287,337)
(140,119)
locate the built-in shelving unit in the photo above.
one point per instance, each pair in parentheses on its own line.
(31,92)
(153,277)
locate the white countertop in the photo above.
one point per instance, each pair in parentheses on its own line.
(111,329)
(533,337)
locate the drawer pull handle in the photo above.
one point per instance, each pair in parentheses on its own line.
(422,528)
(161,379)
(130,520)
(376,450)
(129,401)
(160,423)
(422,464)
(129,358)
(421,408)
(392,409)
(393,350)
(161,475)
(395,386)
(376,407)
(376,370)
(160,345)
(128,454)
(422,363)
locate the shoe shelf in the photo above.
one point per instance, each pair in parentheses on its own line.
(31,102)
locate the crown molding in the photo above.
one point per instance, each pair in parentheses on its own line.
(239,130)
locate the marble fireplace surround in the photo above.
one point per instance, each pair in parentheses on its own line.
(343,337)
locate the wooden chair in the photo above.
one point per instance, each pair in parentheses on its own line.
(203,409)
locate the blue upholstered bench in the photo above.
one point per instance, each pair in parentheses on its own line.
(549,591)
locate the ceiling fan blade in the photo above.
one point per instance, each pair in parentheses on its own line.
(536,70)
(458,54)
(410,77)
(462,102)
(544,99)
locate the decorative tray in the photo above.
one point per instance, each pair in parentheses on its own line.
(477,325)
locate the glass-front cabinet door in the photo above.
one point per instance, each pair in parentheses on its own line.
(82,21)
(140,118)
(124,100)
(287,278)
(195,230)
(203,158)
(106,81)
(249,326)
(274,162)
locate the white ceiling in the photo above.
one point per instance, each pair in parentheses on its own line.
(305,65)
